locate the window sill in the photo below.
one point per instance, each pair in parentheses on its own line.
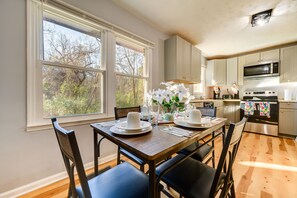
(40,127)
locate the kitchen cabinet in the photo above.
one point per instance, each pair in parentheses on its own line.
(270,55)
(232,111)
(216,72)
(195,65)
(182,61)
(287,118)
(249,59)
(219,104)
(231,71)
(288,71)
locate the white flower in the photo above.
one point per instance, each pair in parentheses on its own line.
(159,95)
(168,95)
(181,91)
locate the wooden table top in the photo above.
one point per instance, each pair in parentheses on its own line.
(157,144)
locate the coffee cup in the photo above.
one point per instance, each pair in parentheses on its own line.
(133,120)
(195,116)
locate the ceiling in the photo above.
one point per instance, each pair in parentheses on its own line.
(219,27)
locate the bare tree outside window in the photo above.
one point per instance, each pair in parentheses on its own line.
(130,70)
(74,86)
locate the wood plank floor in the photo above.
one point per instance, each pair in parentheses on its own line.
(265,167)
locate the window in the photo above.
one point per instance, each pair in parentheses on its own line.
(71,69)
(71,76)
(199,89)
(131,74)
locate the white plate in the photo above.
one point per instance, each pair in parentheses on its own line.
(203,121)
(184,123)
(123,126)
(118,131)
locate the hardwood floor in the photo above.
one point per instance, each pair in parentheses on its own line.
(265,167)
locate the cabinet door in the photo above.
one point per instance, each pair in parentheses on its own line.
(288,71)
(220,67)
(287,122)
(231,71)
(240,65)
(251,58)
(196,65)
(271,55)
(220,112)
(209,72)
(186,61)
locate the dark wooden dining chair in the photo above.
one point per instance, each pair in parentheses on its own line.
(122,113)
(191,178)
(203,154)
(121,181)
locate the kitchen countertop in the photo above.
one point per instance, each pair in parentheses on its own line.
(211,100)
(288,101)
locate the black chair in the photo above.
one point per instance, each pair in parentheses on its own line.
(122,113)
(206,149)
(192,178)
(121,181)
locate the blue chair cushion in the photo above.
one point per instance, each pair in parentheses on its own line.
(122,181)
(191,178)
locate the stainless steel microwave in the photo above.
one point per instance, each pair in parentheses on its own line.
(261,70)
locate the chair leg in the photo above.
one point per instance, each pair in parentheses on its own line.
(213,151)
(119,156)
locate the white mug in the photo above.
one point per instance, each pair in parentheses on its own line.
(195,116)
(133,120)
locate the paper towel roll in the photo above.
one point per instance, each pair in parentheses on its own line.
(287,94)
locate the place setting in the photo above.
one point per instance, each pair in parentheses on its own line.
(195,120)
(132,126)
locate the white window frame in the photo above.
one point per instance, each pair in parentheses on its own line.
(109,32)
(147,64)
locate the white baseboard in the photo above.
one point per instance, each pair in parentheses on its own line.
(49,180)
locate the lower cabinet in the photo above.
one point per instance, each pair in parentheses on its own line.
(219,104)
(288,120)
(232,111)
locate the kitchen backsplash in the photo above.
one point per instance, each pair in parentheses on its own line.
(269,83)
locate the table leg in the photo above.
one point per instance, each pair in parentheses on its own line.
(96,153)
(152,180)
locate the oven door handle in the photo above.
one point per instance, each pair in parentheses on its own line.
(257,102)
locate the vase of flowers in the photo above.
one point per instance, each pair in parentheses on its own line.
(173,98)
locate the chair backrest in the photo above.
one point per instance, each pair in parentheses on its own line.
(72,158)
(123,112)
(227,158)
(211,112)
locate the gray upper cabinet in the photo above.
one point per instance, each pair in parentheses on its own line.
(182,61)
(231,71)
(216,72)
(288,71)
(270,55)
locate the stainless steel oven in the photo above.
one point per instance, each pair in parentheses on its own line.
(257,123)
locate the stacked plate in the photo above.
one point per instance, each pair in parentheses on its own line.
(185,122)
(123,129)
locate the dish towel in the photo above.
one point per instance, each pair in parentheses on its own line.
(264,108)
(249,108)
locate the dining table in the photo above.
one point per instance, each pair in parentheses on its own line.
(155,146)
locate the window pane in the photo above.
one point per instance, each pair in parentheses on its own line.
(130,91)
(70,46)
(129,61)
(70,92)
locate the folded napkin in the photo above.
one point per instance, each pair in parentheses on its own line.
(177,131)
(107,124)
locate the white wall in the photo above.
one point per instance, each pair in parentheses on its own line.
(27,157)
